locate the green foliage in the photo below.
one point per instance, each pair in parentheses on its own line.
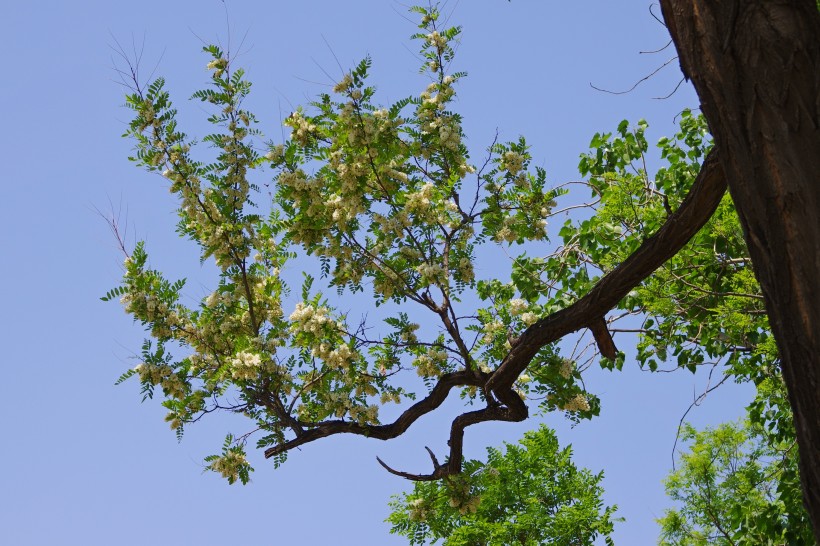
(388,203)
(704,305)
(529,494)
(736,486)
(231,463)
(701,308)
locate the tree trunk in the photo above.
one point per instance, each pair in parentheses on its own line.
(756,67)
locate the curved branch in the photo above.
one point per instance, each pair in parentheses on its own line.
(394,429)
(693,213)
(437,468)
(513,409)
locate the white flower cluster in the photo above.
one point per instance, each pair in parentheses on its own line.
(172,418)
(267,304)
(512,162)
(145,305)
(431,363)
(390,397)
(342,210)
(344,84)
(491,329)
(505,234)
(388,284)
(542,226)
(158,374)
(578,403)
(336,358)
(297,181)
(349,174)
(567,367)
(229,465)
(338,403)
(465,270)
(408,335)
(418,510)
(302,128)
(517,306)
(226,241)
(529,318)
(365,414)
(437,40)
(438,94)
(246,365)
(467,505)
(218,66)
(310,319)
(392,227)
(447,127)
(275,153)
(450,133)
(419,202)
(432,273)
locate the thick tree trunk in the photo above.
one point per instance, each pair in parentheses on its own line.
(756,67)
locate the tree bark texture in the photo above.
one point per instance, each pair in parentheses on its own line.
(756,67)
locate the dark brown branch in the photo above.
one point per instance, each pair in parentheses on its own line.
(416,477)
(394,429)
(606,345)
(695,210)
(513,410)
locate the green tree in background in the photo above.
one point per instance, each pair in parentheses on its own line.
(529,494)
(734,487)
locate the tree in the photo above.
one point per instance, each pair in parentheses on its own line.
(393,200)
(389,202)
(756,68)
(735,487)
(703,308)
(530,494)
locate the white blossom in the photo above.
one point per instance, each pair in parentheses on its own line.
(577,403)
(517,306)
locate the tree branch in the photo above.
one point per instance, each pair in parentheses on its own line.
(587,312)
(397,427)
(693,213)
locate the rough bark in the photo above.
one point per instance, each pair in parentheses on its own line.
(756,67)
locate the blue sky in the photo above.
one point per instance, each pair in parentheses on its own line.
(84,462)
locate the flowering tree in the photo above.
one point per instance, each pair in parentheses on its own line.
(702,308)
(391,205)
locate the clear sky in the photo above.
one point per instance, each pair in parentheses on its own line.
(83,461)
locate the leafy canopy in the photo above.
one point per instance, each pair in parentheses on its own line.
(528,494)
(391,206)
(389,203)
(735,486)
